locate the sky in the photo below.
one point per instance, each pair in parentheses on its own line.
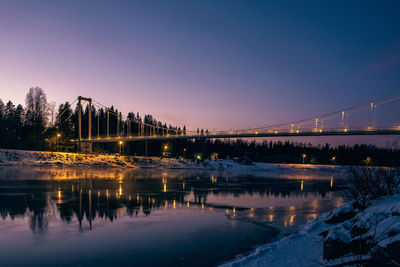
(203,64)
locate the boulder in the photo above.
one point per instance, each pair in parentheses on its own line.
(341,214)
(388,255)
(337,243)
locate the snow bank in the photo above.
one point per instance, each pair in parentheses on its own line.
(376,230)
(40,158)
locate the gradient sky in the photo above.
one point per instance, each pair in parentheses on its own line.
(207,64)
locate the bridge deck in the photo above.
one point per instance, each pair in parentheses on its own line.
(242,135)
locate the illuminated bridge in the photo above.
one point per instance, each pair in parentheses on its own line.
(332,124)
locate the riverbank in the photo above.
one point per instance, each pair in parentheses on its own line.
(43,158)
(342,237)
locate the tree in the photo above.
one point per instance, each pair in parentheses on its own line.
(52,112)
(37,106)
(65,126)
(36,115)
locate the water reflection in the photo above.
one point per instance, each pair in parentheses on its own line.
(104,195)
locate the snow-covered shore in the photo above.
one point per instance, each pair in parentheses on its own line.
(342,237)
(41,158)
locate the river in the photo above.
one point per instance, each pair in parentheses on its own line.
(152,217)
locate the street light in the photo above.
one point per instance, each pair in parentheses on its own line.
(304,157)
(165,148)
(120,146)
(57,136)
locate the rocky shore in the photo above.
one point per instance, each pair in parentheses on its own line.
(346,236)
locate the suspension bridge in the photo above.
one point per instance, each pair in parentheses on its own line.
(332,124)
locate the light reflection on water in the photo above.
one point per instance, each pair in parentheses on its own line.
(241,211)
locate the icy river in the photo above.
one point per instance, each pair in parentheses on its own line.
(152,217)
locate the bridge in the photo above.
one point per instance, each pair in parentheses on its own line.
(332,124)
(331,132)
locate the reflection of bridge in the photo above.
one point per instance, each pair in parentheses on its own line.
(129,128)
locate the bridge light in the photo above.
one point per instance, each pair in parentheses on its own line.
(120,146)
(345,130)
(297,131)
(276,132)
(58,136)
(256,132)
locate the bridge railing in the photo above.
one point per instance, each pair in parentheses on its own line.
(239,134)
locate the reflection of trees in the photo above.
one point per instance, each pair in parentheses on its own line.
(25,198)
(88,199)
(38,222)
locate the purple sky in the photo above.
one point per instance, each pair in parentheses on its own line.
(206,64)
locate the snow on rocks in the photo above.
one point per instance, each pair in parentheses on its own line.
(369,237)
(342,213)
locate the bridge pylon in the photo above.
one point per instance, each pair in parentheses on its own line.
(89,100)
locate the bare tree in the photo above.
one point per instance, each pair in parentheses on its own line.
(52,112)
(36,106)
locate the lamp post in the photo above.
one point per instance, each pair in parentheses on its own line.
(57,136)
(120,146)
(304,157)
(165,148)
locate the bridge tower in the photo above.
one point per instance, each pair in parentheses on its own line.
(342,122)
(373,112)
(87,148)
(108,123)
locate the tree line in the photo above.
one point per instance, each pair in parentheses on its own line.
(40,126)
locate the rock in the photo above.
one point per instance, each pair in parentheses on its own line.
(386,256)
(324,233)
(337,242)
(358,230)
(335,248)
(341,214)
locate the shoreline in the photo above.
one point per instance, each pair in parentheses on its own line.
(11,157)
(332,238)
